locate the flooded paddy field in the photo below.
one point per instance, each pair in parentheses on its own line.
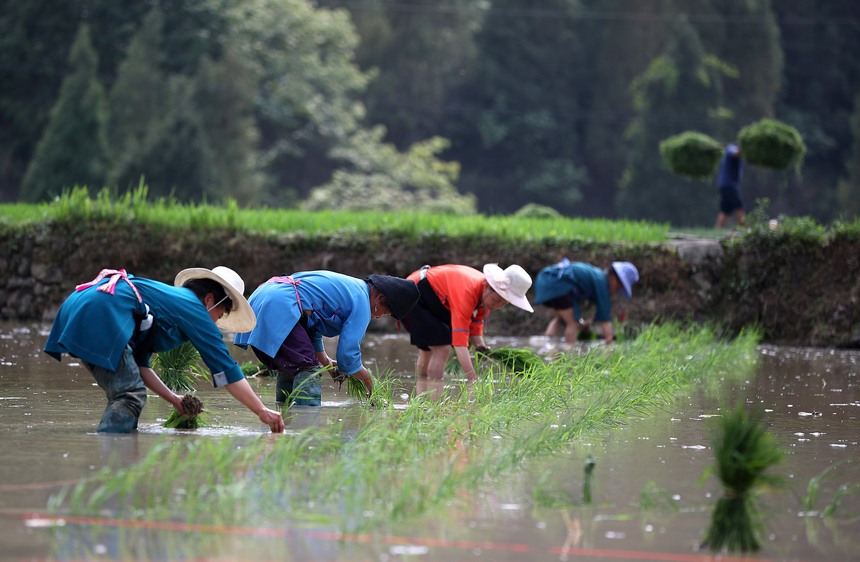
(647,500)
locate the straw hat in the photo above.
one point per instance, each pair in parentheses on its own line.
(511,283)
(241,318)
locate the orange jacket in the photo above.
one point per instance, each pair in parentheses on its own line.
(460,288)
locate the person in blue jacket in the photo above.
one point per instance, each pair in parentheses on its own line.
(729,181)
(295,312)
(115,322)
(561,286)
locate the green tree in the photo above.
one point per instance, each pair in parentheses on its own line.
(849,187)
(381,178)
(73,148)
(419,57)
(680,90)
(621,47)
(137,101)
(521,144)
(301,60)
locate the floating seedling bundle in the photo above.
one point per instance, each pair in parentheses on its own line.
(179,368)
(519,361)
(191,419)
(771,144)
(691,154)
(743,450)
(251,369)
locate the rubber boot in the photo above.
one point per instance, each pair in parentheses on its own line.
(308,383)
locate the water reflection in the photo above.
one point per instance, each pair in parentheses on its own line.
(810,397)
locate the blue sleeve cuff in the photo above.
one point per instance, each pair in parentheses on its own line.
(231,375)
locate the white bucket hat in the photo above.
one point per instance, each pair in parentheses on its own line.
(511,283)
(241,318)
(627,274)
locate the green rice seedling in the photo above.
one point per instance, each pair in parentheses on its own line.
(550,494)
(179,368)
(654,497)
(193,418)
(590,463)
(251,370)
(405,462)
(520,361)
(809,500)
(772,144)
(743,450)
(346,227)
(691,154)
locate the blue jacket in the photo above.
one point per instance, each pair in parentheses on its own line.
(97,326)
(339,305)
(585,281)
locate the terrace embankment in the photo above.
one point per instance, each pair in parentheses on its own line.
(798,294)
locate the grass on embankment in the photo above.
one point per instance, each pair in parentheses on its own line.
(404,463)
(78,206)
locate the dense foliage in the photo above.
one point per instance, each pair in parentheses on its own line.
(692,154)
(561,103)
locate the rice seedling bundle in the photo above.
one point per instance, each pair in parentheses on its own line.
(771,144)
(179,368)
(191,419)
(691,154)
(251,369)
(519,361)
(743,450)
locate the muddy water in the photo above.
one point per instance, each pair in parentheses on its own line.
(49,411)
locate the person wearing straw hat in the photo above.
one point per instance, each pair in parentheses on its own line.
(295,312)
(561,286)
(116,321)
(455,300)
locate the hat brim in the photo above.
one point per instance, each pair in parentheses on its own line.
(490,271)
(241,317)
(625,284)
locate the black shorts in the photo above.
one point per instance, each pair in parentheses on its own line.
(429,322)
(730,199)
(560,303)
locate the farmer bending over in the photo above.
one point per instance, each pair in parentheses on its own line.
(115,322)
(455,300)
(295,312)
(563,285)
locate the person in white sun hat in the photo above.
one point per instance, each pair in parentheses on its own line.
(454,301)
(115,322)
(562,286)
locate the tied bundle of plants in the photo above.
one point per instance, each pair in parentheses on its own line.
(191,419)
(743,451)
(520,361)
(251,370)
(691,154)
(772,144)
(179,368)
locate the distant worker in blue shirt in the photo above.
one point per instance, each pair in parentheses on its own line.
(731,172)
(561,286)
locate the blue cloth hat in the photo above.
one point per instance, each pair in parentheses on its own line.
(627,274)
